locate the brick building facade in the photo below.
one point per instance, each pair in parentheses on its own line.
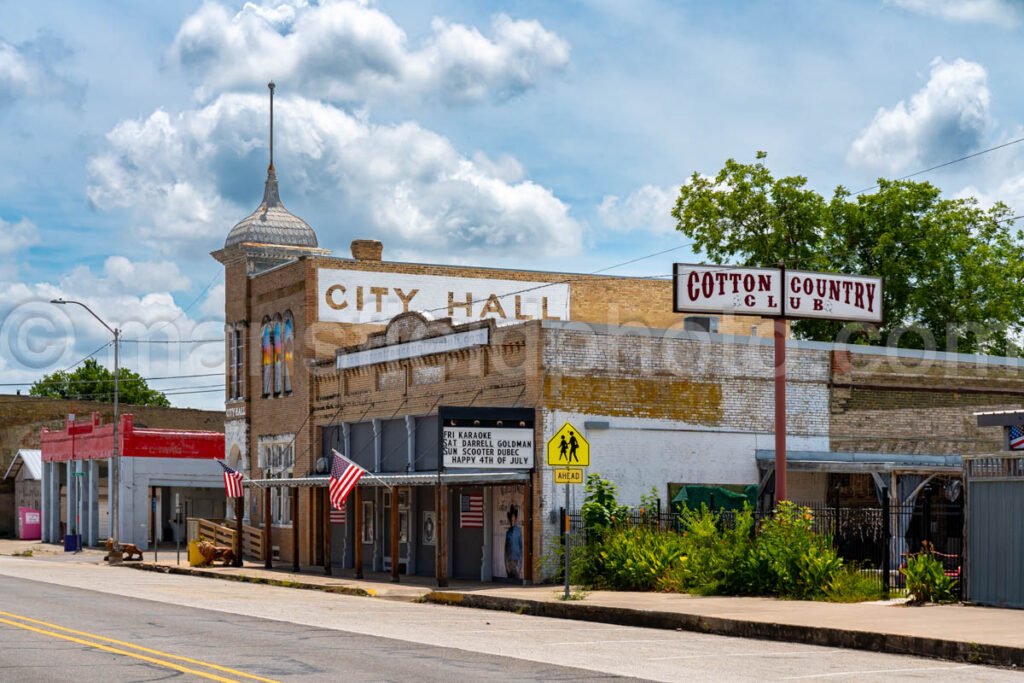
(662,399)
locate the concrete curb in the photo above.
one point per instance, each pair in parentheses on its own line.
(952,650)
(285,583)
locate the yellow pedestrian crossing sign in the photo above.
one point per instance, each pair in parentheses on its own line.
(568,448)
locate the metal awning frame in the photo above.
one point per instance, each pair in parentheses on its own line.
(400,479)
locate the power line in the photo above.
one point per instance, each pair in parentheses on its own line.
(194,301)
(947,163)
(120,380)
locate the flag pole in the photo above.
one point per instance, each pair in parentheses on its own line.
(365,471)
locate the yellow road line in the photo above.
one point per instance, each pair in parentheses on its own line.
(107,648)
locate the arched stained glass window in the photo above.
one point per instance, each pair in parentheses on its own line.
(268,359)
(278,356)
(289,351)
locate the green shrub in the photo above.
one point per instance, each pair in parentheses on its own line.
(927,580)
(637,559)
(850,585)
(601,509)
(793,559)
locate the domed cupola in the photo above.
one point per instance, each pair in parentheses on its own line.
(271,223)
(271,234)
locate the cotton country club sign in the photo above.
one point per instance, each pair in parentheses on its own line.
(774,292)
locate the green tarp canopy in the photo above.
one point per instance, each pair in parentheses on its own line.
(716,497)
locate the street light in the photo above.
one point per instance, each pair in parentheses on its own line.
(113,476)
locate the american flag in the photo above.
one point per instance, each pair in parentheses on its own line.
(472,516)
(232,481)
(344,476)
(1016,438)
(338,516)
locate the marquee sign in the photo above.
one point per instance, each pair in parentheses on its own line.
(486,438)
(360,296)
(774,293)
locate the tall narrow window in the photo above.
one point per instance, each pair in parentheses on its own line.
(268,359)
(240,361)
(289,351)
(232,368)
(278,356)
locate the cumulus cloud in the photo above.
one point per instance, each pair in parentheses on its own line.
(349,51)
(648,208)
(178,176)
(999,12)
(37,337)
(15,237)
(947,118)
(29,70)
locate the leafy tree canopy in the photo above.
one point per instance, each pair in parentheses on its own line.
(94,382)
(953,272)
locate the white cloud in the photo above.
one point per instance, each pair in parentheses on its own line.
(947,118)
(145,275)
(397,181)
(15,237)
(38,337)
(648,208)
(352,52)
(28,70)
(999,12)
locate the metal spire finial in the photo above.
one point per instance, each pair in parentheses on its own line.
(271,86)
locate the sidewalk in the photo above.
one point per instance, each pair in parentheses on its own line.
(979,635)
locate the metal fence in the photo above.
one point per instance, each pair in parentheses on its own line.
(875,540)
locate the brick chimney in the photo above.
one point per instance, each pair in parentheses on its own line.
(367,250)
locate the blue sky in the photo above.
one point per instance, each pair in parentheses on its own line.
(536,134)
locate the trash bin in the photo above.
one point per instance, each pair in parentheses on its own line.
(195,558)
(72,543)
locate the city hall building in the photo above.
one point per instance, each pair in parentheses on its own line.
(445,382)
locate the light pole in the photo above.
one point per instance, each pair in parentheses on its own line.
(114,475)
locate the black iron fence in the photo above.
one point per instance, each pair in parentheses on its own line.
(874,540)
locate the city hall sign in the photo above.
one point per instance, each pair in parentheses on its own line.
(774,292)
(359,296)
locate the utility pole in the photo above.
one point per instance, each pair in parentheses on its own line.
(113,476)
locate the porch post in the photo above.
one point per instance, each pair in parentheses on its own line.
(442,536)
(528,531)
(357,522)
(268,559)
(394,534)
(295,528)
(326,514)
(239,514)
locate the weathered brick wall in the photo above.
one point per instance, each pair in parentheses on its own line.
(899,403)
(687,377)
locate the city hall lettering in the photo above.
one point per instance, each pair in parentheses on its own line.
(351,296)
(487,447)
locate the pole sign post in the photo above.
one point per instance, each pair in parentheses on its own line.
(569,451)
(782,295)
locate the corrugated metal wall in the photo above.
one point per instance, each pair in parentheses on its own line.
(995,531)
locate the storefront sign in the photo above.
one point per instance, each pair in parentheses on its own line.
(414,349)
(833,297)
(359,296)
(488,447)
(724,289)
(486,438)
(761,291)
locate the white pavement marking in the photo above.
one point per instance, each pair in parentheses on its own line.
(627,651)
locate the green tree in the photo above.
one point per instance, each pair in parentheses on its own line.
(953,272)
(94,382)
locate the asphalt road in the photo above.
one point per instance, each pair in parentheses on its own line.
(64,621)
